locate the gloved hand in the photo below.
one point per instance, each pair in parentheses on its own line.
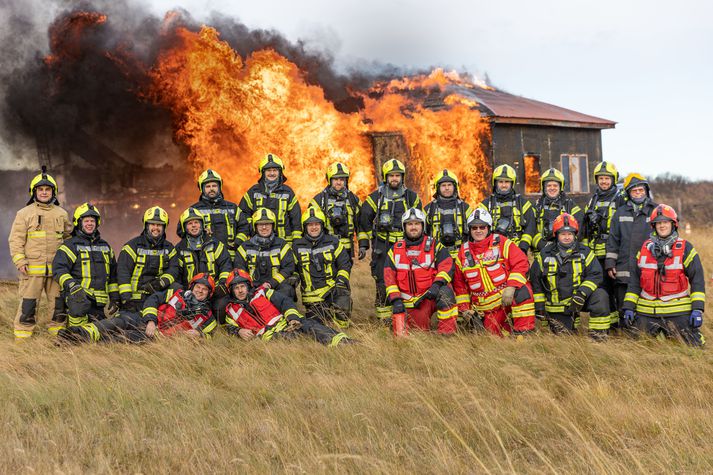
(221,290)
(577,303)
(111,308)
(78,302)
(153,286)
(342,282)
(629,317)
(432,292)
(362,253)
(398,306)
(293,280)
(696,319)
(508,295)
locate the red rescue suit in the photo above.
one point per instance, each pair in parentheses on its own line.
(260,315)
(169,310)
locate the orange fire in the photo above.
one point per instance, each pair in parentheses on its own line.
(66,35)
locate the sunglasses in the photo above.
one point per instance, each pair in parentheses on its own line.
(479,227)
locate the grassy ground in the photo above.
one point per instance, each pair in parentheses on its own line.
(465,404)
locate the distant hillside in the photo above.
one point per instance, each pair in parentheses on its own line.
(692,199)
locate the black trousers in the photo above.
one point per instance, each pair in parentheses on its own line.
(670,327)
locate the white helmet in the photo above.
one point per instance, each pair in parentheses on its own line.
(480,216)
(413,214)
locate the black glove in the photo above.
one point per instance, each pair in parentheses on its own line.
(397,306)
(220,291)
(152,286)
(362,253)
(577,303)
(111,309)
(293,280)
(524,247)
(342,282)
(432,293)
(78,302)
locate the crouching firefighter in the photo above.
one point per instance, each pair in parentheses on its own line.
(323,266)
(490,281)
(447,214)
(199,252)
(265,314)
(565,278)
(666,292)
(85,268)
(380,225)
(417,274)
(148,263)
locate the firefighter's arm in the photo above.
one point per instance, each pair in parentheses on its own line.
(416,201)
(287,266)
(223,266)
(242,227)
(592,277)
(240,259)
(392,288)
(343,264)
(62,265)
(633,289)
(124,269)
(444,265)
(694,271)
(172,272)
(467,210)
(149,313)
(356,206)
(516,263)
(461,288)
(231,324)
(68,226)
(247,206)
(284,304)
(295,213)
(113,284)
(578,215)
(208,327)
(17,240)
(366,220)
(528,223)
(538,290)
(613,243)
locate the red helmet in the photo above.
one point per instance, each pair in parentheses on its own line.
(663,213)
(205,279)
(565,222)
(239,276)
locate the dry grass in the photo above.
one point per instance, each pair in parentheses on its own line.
(464,404)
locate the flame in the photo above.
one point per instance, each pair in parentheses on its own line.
(66,36)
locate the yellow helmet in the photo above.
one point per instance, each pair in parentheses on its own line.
(41,179)
(634,179)
(504,172)
(313,215)
(271,161)
(188,215)
(337,170)
(156,215)
(392,166)
(208,176)
(606,169)
(444,176)
(552,174)
(264,215)
(85,210)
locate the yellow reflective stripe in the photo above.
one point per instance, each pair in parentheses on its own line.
(36,234)
(22,334)
(392,289)
(631,297)
(113,287)
(690,258)
(589,285)
(444,275)
(72,256)
(363,235)
(39,269)
(17,257)
(292,312)
(525,310)
(698,296)
(588,260)
(123,288)
(74,321)
(210,327)
(517,277)
(526,238)
(461,299)
(223,275)
(93,331)
(540,298)
(279,278)
(130,252)
(169,278)
(554,308)
(599,323)
(343,273)
(370,202)
(63,279)
(149,311)
(448,313)
(86,269)
(337,338)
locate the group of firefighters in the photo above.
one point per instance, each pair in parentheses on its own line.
(238,266)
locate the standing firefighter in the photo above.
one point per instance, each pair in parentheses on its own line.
(380,224)
(266,257)
(513,216)
(323,266)
(629,229)
(340,206)
(447,214)
(565,278)
(198,252)
(270,192)
(417,274)
(85,268)
(490,277)
(223,219)
(35,236)
(550,205)
(148,263)
(666,292)
(266,314)
(597,223)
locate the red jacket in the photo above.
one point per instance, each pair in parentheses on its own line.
(172,314)
(671,286)
(264,313)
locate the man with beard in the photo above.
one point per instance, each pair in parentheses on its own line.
(199,252)
(223,219)
(148,263)
(565,279)
(380,225)
(667,290)
(340,206)
(447,214)
(549,206)
(272,193)
(267,258)
(597,223)
(513,216)
(417,274)
(85,268)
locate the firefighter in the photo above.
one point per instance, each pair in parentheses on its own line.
(266,257)
(447,214)
(380,223)
(666,292)
(417,274)
(223,219)
(36,234)
(257,312)
(565,278)
(147,263)
(513,216)
(628,232)
(271,192)
(597,222)
(85,268)
(199,252)
(490,277)
(550,205)
(340,206)
(323,265)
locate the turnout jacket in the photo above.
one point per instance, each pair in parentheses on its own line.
(320,263)
(342,213)
(281,201)
(556,277)
(265,313)
(446,221)
(546,211)
(90,262)
(671,286)
(380,217)
(141,261)
(174,311)
(513,217)
(598,216)
(210,256)
(270,261)
(224,221)
(37,232)
(630,228)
